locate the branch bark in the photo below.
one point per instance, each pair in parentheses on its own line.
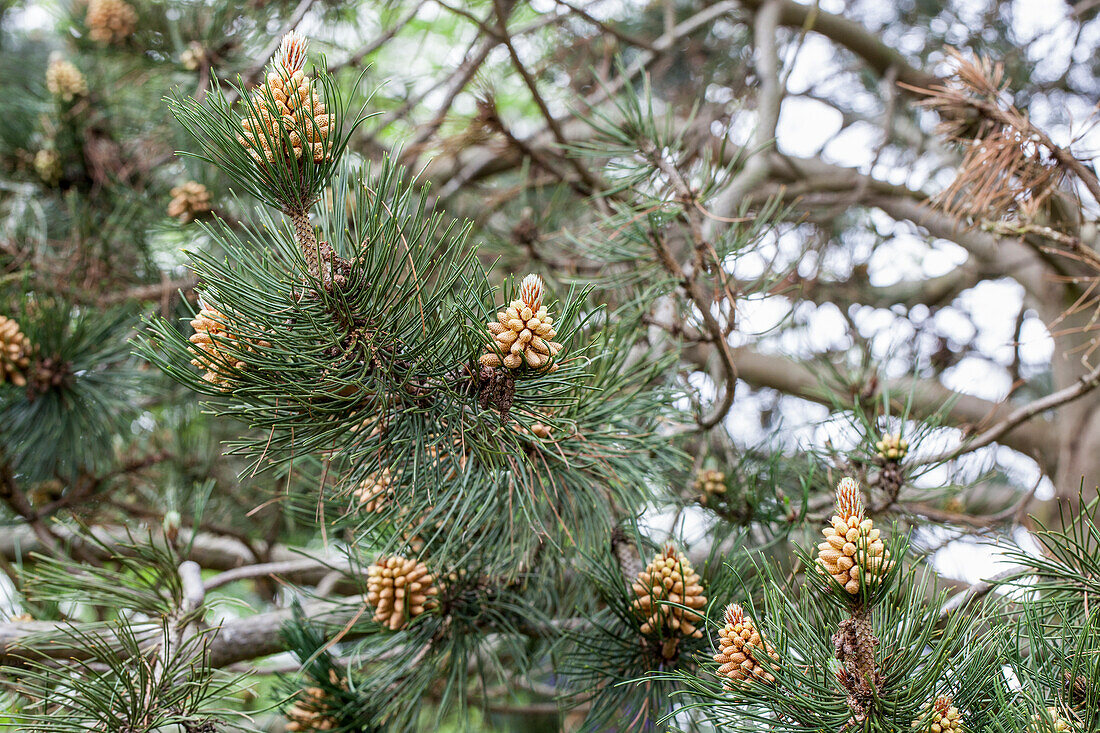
(850,35)
(233,641)
(1034,438)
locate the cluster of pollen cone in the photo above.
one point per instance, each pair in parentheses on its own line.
(375,492)
(64,80)
(110,21)
(852,552)
(311,710)
(190,200)
(286,102)
(523,333)
(710,483)
(14,353)
(209,346)
(1052,722)
(740,649)
(399,589)
(943,717)
(892,447)
(669,579)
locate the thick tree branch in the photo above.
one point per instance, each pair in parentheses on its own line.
(848,34)
(1034,438)
(1083,386)
(238,640)
(213,552)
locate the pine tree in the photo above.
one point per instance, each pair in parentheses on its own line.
(398,408)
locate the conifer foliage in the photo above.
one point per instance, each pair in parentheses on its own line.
(334,403)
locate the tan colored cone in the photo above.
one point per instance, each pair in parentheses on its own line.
(709,483)
(312,711)
(892,447)
(286,101)
(399,589)
(47,164)
(1052,723)
(740,649)
(193,57)
(189,201)
(15,353)
(669,578)
(375,492)
(523,332)
(110,21)
(853,548)
(212,345)
(943,718)
(64,80)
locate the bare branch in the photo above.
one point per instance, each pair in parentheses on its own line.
(1085,384)
(975,592)
(850,35)
(193,591)
(1034,438)
(293,568)
(356,58)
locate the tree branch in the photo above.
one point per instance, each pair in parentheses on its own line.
(848,34)
(233,641)
(1034,438)
(1085,384)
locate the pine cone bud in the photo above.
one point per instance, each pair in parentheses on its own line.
(110,21)
(64,80)
(47,164)
(892,447)
(541,430)
(193,56)
(291,56)
(955,504)
(1053,722)
(212,344)
(530,292)
(537,428)
(189,201)
(15,353)
(740,647)
(1078,689)
(312,710)
(523,332)
(943,718)
(669,578)
(710,483)
(298,110)
(399,590)
(375,492)
(852,548)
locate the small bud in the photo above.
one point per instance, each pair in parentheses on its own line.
(848,501)
(530,292)
(292,53)
(171,524)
